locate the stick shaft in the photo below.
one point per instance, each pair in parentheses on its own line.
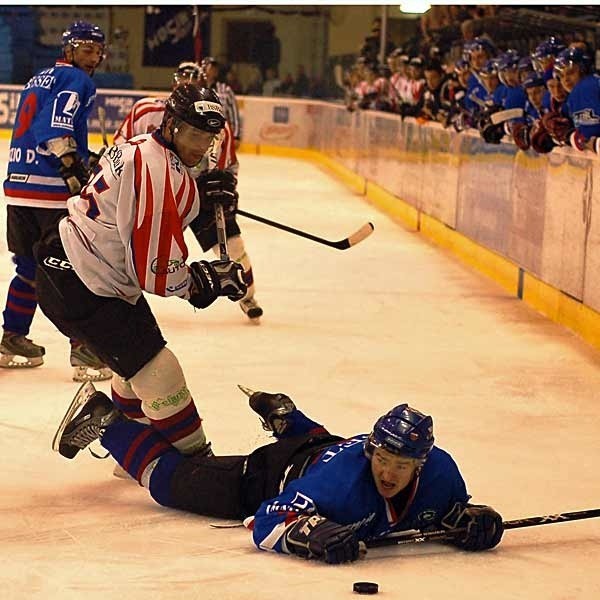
(447,535)
(352,240)
(221,233)
(102,121)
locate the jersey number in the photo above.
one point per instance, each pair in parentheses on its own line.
(25,116)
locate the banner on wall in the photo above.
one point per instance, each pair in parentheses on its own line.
(170,36)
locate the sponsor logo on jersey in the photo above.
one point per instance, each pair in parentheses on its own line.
(162,265)
(65,106)
(115,157)
(202,106)
(587,116)
(176,288)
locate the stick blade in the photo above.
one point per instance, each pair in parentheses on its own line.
(358,236)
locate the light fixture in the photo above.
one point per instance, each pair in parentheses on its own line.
(415,7)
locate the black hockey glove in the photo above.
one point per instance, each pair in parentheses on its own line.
(492,134)
(322,539)
(218,187)
(213,279)
(73,171)
(95,158)
(483,525)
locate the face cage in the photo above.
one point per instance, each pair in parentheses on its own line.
(181,78)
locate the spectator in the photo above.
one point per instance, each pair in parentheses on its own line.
(301,86)
(271,84)
(231,79)
(287,85)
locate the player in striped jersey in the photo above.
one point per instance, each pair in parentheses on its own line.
(145,116)
(125,235)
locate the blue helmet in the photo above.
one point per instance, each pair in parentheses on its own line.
(403,431)
(479,43)
(82,31)
(508,60)
(490,68)
(534,79)
(574,56)
(525,64)
(553,46)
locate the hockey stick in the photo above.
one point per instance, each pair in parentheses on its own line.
(358,236)
(448,535)
(221,234)
(102,121)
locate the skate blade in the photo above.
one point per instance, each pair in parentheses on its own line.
(81,397)
(15,361)
(246,390)
(83,373)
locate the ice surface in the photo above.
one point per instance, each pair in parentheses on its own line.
(347,334)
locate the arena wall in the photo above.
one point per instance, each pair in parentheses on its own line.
(531,222)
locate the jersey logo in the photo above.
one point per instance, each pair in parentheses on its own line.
(587,116)
(65,106)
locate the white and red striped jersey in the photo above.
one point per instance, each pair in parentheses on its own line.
(124,232)
(146,115)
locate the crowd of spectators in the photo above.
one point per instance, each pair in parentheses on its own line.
(539,99)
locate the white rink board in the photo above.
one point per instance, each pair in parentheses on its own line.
(347,334)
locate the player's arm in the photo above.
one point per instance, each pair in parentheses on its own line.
(72,168)
(291,524)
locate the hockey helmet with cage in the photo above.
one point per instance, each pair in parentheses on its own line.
(187,71)
(82,32)
(196,106)
(403,431)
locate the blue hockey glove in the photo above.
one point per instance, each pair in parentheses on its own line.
(483,525)
(322,539)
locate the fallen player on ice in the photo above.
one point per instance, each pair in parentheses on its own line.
(309,493)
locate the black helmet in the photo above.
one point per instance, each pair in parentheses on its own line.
(198,107)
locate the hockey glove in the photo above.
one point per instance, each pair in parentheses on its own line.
(95,158)
(218,187)
(520,133)
(492,134)
(541,140)
(483,525)
(213,279)
(558,126)
(322,539)
(73,171)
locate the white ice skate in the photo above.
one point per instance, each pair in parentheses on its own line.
(19,352)
(87,366)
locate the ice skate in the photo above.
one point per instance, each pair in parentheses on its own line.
(271,408)
(251,309)
(18,352)
(76,432)
(86,365)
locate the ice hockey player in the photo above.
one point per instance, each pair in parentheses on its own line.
(310,493)
(48,162)
(145,116)
(125,235)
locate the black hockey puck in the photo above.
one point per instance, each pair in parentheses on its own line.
(365,587)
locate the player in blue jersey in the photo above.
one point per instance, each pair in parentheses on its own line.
(310,493)
(575,68)
(48,162)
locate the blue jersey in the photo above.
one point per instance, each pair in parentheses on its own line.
(54,103)
(339,486)
(475,89)
(583,106)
